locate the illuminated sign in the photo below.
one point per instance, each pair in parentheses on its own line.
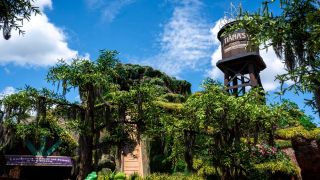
(27,160)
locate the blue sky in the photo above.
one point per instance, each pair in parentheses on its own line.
(175,36)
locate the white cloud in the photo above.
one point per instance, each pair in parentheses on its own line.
(274,68)
(42,45)
(185,42)
(109,9)
(274,64)
(7,91)
(215,72)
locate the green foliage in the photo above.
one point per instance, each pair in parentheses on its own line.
(130,74)
(292,132)
(92,79)
(169,105)
(156,176)
(268,161)
(307,122)
(135,176)
(222,130)
(283,166)
(180,166)
(120,176)
(107,174)
(27,127)
(204,169)
(294,35)
(17,106)
(92,176)
(283,144)
(208,134)
(53,131)
(175,98)
(12,14)
(104,174)
(295,116)
(32,132)
(264,152)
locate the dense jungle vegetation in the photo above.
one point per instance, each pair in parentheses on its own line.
(208,133)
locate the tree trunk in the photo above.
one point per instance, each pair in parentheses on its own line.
(86,137)
(189,138)
(119,163)
(256,134)
(97,151)
(271,137)
(122,119)
(85,149)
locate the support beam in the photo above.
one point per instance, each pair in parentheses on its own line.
(235,84)
(252,74)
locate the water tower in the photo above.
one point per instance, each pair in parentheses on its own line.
(241,63)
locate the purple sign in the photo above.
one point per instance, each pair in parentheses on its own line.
(27,160)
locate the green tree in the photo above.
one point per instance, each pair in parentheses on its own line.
(92,80)
(135,105)
(12,14)
(215,133)
(294,34)
(27,116)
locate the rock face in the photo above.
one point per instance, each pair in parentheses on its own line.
(291,153)
(307,153)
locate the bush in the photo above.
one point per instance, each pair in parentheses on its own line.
(282,144)
(104,174)
(120,176)
(204,169)
(175,98)
(107,174)
(92,176)
(283,166)
(292,132)
(176,176)
(135,176)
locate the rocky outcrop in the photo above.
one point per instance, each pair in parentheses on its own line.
(291,153)
(307,153)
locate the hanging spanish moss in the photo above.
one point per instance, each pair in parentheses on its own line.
(131,74)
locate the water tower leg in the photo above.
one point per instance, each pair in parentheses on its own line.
(243,89)
(235,85)
(252,74)
(226,79)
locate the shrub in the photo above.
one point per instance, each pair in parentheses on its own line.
(289,133)
(284,166)
(120,176)
(107,174)
(92,176)
(104,174)
(282,144)
(176,176)
(135,176)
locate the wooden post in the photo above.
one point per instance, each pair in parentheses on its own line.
(235,84)
(243,87)
(252,74)
(226,79)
